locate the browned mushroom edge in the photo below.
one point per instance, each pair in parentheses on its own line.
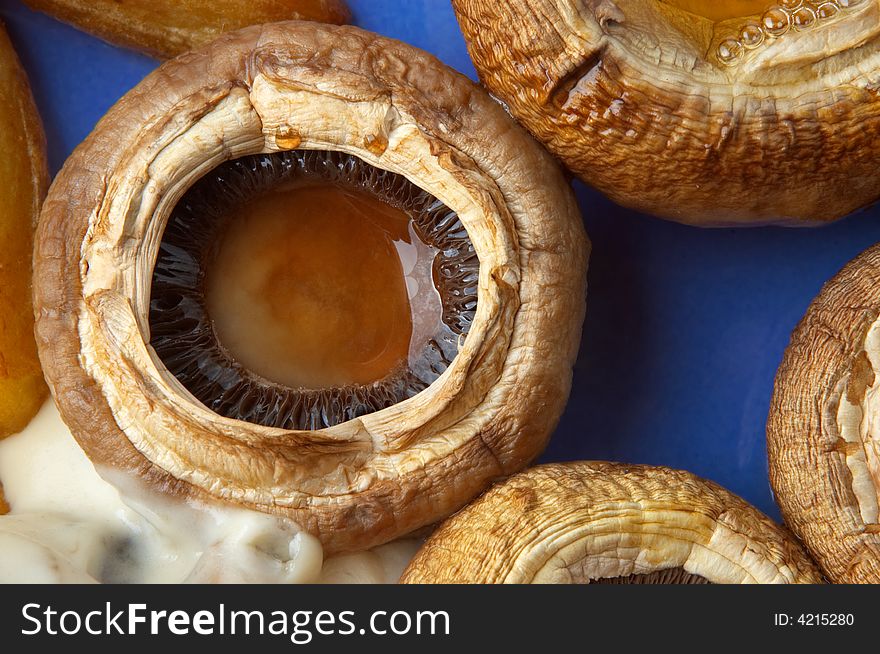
(822,435)
(588,521)
(669,113)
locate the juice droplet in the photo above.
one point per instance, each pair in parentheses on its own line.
(730,51)
(751,36)
(287,138)
(776,22)
(827,10)
(320,287)
(721,10)
(377,144)
(804,18)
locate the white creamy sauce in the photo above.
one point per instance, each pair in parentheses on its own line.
(67,524)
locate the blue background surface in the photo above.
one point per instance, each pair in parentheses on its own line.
(685,327)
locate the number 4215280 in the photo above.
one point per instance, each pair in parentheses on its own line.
(814,620)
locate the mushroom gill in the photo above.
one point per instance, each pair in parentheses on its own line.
(704,113)
(823,432)
(595,522)
(666,576)
(132,277)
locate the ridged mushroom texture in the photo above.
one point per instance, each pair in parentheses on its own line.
(596,522)
(707,113)
(315,272)
(23,169)
(823,434)
(167,28)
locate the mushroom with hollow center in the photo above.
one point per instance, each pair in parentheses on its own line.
(457,226)
(592,522)
(823,434)
(25,179)
(741,112)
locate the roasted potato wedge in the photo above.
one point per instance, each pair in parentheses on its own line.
(166,28)
(25,178)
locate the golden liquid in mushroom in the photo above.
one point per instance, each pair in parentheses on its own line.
(719,10)
(318,286)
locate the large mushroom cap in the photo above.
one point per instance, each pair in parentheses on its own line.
(592,521)
(823,434)
(313,87)
(770,117)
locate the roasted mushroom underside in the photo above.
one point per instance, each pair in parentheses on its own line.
(769,118)
(312,87)
(188,335)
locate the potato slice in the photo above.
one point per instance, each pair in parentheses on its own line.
(24,175)
(4,507)
(166,28)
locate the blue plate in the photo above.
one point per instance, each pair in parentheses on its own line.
(685,327)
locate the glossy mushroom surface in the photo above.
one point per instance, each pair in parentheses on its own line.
(167,28)
(823,434)
(25,179)
(311,87)
(591,522)
(766,117)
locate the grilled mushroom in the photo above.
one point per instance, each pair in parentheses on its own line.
(593,522)
(822,434)
(290,108)
(166,28)
(25,179)
(705,113)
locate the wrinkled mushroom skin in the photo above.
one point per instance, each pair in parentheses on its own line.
(308,86)
(579,522)
(25,179)
(166,28)
(624,92)
(823,436)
